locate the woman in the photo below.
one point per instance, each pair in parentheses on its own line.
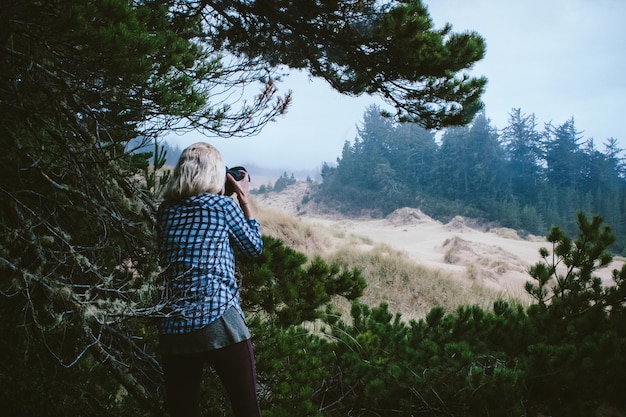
(204,323)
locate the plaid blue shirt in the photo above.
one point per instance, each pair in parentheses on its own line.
(197,255)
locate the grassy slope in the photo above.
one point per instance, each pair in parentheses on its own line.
(393,277)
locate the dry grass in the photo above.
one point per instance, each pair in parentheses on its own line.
(392,277)
(407,287)
(292,231)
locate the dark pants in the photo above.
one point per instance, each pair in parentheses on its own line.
(236,368)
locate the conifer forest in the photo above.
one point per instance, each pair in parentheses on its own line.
(522,176)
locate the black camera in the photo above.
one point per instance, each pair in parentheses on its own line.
(237,175)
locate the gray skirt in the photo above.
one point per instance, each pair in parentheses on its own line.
(227,330)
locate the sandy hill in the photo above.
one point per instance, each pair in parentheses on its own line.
(493,256)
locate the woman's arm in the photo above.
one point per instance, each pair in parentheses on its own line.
(242,189)
(245,230)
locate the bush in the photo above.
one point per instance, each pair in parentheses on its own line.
(562,356)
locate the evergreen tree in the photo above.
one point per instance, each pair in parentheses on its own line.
(453,165)
(284,181)
(388,48)
(77,256)
(373,143)
(364,177)
(616,163)
(579,351)
(413,152)
(563,155)
(470,163)
(385,167)
(611,203)
(523,147)
(487,177)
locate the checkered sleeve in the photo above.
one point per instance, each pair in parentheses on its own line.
(245,233)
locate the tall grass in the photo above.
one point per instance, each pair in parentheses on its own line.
(409,288)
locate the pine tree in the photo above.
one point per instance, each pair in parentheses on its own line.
(579,348)
(390,49)
(522,144)
(563,155)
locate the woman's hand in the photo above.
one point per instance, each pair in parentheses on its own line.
(242,189)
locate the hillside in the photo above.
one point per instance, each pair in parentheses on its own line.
(478,260)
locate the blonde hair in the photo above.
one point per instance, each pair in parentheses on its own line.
(200,169)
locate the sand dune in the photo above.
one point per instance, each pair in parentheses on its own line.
(496,257)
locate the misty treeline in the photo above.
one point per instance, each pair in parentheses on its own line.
(523,176)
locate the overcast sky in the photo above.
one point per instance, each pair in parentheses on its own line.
(555,58)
